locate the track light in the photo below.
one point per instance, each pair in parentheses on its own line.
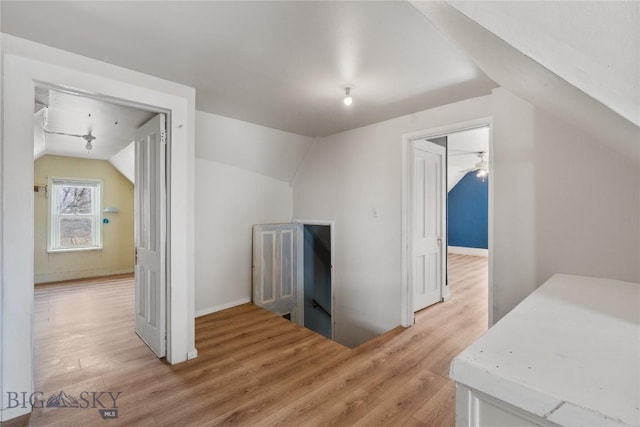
(347,96)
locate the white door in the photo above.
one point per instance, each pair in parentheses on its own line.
(427,223)
(275,268)
(150,226)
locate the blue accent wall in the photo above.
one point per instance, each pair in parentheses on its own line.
(467,215)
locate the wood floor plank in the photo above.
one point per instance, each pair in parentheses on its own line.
(254,368)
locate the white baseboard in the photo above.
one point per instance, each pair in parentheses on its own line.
(83,274)
(209,310)
(468,251)
(193,354)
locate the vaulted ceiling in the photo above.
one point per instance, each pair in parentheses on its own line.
(278,64)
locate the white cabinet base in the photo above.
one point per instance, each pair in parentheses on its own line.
(568,355)
(476,409)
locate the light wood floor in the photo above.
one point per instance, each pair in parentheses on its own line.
(254,368)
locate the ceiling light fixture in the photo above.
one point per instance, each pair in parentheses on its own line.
(347,95)
(481,168)
(88,137)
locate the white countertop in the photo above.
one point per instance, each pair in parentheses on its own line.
(569,353)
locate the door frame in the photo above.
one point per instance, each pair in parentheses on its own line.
(87,76)
(300,278)
(406,312)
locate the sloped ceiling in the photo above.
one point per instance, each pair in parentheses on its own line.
(535,83)
(256,148)
(277,64)
(113,126)
(595,45)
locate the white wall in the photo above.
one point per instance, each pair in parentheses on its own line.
(594,45)
(242,178)
(346,176)
(229,201)
(563,203)
(125,161)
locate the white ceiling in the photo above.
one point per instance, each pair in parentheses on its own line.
(112,125)
(278,64)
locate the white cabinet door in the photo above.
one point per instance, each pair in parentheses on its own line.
(275,264)
(475,409)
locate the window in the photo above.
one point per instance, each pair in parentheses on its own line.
(74,214)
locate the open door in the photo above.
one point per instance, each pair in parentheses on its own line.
(150,227)
(275,269)
(428,223)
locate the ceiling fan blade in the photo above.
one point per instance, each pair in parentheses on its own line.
(458,150)
(462,153)
(62,133)
(466,171)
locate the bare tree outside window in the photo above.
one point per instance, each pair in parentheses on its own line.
(74,200)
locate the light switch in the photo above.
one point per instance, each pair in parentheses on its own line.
(375,213)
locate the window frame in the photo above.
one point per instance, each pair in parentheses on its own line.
(53,220)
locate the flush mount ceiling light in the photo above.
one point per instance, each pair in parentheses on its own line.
(347,95)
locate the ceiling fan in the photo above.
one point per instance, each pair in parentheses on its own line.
(482,167)
(87,137)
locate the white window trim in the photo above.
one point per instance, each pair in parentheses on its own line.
(53,182)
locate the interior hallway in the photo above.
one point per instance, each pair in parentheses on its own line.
(254,368)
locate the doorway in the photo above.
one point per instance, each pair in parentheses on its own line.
(23,71)
(420,194)
(110,204)
(317,279)
(293,272)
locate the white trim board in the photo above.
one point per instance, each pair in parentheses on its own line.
(220,307)
(468,251)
